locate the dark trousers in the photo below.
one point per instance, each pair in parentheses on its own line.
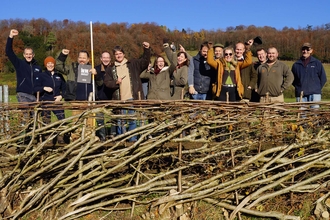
(232,93)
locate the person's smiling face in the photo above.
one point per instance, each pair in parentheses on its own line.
(160,63)
(83,58)
(119,56)
(228,54)
(28,55)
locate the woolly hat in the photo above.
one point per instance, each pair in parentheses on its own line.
(49,59)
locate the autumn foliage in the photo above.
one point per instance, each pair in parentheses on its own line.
(48,38)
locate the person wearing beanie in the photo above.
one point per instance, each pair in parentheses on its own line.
(49,59)
(51,87)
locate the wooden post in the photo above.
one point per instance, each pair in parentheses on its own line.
(232,154)
(300,100)
(180,156)
(136,183)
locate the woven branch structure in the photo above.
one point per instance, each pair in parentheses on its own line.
(233,155)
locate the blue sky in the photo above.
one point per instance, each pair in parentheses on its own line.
(176,14)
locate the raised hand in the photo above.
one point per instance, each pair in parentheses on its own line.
(65,51)
(13,33)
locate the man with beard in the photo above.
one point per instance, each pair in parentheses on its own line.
(274,77)
(199,74)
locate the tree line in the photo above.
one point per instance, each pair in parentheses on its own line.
(48,38)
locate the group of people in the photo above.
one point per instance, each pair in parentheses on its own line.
(215,73)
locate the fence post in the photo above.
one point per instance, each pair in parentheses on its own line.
(1,117)
(4,118)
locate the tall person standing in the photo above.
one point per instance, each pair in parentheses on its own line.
(51,86)
(76,91)
(26,71)
(274,77)
(123,78)
(309,76)
(103,93)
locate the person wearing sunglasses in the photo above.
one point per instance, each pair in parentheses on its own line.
(309,76)
(228,85)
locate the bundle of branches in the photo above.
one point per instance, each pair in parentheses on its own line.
(234,155)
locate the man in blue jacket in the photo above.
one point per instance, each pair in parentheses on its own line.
(26,71)
(309,76)
(199,75)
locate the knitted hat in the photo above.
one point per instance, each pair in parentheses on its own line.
(49,59)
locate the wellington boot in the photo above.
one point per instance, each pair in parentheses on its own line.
(66,138)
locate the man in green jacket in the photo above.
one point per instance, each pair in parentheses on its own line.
(274,77)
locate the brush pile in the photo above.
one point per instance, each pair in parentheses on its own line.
(234,155)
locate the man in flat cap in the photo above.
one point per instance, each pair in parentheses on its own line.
(309,76)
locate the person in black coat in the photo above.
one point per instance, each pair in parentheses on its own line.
(26,70)
(51,87)
(103,94)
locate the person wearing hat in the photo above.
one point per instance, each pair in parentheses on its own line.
(218,50)
(309,76)
(51,87)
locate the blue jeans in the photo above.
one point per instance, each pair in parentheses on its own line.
(121,128)
(310,98)
(145,87)
(199,96)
